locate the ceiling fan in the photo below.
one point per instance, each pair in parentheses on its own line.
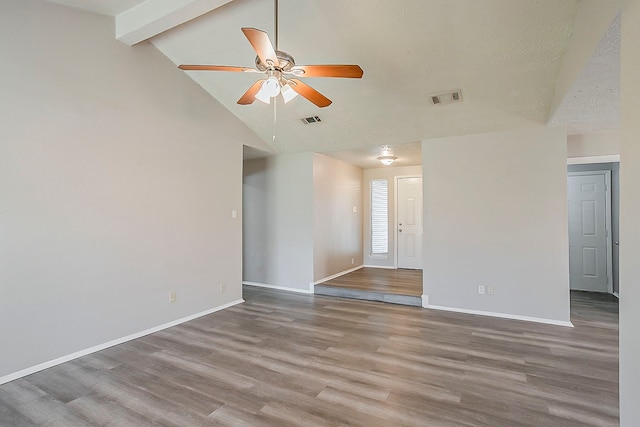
(282,73)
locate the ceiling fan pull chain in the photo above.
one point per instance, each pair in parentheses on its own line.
(275,102)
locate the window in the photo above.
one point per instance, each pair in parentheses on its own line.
(379,217)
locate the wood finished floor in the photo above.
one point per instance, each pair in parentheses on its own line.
(384,280)
(285,359)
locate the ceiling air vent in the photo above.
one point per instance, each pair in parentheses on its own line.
(446,97)
(310,120)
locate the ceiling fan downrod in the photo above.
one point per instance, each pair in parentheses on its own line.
(275,21)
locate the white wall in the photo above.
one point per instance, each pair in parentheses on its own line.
(337,232)
(278,221)
(111,192)
(390,173)
(593,144)
(496,215)
(629,217)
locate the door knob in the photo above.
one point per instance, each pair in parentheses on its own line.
(616,243)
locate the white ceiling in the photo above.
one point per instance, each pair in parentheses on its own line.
(505,55)
(593,102)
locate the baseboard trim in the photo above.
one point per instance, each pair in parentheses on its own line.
(95,348)
(333,276)
(616,294)
(279,288)
(501,315)
(425,301)
(380,266)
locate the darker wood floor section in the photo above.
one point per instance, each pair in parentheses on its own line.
(384,280)
(285,359)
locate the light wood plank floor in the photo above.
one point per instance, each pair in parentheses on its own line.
(285,359)
(388,281)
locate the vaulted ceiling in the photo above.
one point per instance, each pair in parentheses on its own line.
(505,55)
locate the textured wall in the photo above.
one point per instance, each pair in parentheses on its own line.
(278,221)
(299,224)
(112,194)
(593,144)
(629,218)
(499,219)
(337,230)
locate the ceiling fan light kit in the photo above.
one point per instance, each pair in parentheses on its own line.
(281,70)
(288,93)
(270,88)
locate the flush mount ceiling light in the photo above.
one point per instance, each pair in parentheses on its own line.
(386,156)
(387,160)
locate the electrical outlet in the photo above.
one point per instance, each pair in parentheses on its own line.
(172,297)
(223,287)
(481,289)
(489,290)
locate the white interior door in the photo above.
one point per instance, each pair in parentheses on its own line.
(409,222)
(589,262)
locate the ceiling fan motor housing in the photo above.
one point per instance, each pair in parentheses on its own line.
(286,62)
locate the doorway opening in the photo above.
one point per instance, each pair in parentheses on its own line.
(593,204)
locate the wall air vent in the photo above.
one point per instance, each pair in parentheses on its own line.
(310,120)
(446,97)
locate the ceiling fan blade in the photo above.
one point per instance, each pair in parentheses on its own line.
(346,71)
(215,68)
(310,93)
(250,95)
(262,45)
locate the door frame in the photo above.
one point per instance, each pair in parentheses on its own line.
(609,234)
(395,216)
